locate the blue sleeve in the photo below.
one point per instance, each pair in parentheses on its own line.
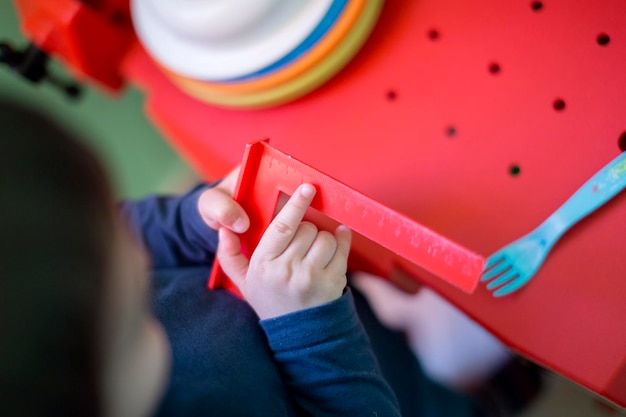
(328,363)
(171,229)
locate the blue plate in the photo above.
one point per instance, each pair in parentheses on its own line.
(331,16)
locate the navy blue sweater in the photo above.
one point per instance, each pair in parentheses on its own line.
(315,362)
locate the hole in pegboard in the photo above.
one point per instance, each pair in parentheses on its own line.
(536,6)
(558,104)
(603,39)
(621,142)
(391,95)
(451,131)
(433,34)
(119,18)
(514,170)
(494,68)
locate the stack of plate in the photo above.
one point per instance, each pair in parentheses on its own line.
(252,53)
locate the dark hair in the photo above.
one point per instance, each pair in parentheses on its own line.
(55,223)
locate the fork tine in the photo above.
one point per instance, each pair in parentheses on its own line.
(496,270)
(502,279)
(510,287)
(494,259)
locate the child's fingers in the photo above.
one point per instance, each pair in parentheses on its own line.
(304,237)
(322,250)
(392,306)
(218,209)
(343,236)
(282,229)
(233,262)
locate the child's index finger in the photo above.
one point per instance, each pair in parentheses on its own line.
(282,229)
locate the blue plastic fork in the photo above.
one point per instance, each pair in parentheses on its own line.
(513,266)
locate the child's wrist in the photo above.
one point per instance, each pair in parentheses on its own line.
(324,321)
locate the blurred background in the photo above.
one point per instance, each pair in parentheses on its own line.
(140,162)
(138,159)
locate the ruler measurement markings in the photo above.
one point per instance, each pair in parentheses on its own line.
(402,236)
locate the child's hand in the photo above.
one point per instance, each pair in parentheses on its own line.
(218,209)
(294,267)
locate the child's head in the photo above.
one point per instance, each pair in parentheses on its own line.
(76,335)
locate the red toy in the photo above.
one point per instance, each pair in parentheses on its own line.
(384,240)
(476,119)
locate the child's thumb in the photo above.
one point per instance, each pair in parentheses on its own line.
(233,262)
(218,209)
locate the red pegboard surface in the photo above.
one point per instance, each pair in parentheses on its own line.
(476,119)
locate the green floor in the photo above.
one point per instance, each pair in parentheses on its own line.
(139,160)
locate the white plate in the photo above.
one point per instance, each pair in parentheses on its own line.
(213,40)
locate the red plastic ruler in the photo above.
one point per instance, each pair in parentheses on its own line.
(382,237)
